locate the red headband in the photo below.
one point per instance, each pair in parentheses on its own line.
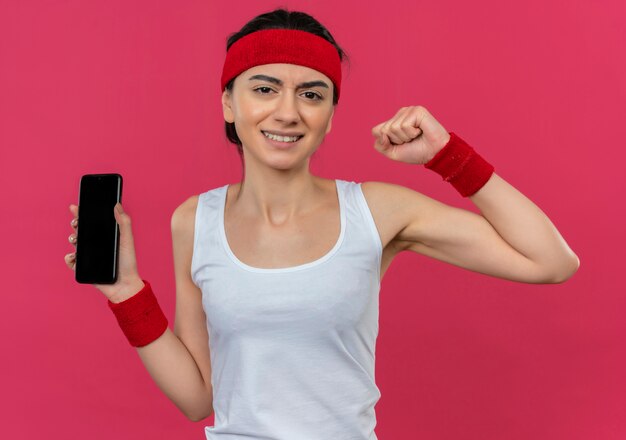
(288,46)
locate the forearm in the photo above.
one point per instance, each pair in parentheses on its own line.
(175,372)
(525,227)
(164,355)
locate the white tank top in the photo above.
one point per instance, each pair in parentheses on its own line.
(292,349)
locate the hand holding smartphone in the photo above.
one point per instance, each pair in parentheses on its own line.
(105,250)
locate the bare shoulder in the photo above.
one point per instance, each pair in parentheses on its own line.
(183,230)
(385,203)
(396,208)
(183,217)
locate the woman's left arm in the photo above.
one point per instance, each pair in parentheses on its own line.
(512,230)
(525,227)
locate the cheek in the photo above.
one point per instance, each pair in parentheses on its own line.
(315,117)
(322,123)
(253,114)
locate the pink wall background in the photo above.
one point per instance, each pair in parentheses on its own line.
(538,88)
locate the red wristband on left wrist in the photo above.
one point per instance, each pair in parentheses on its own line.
(458,163)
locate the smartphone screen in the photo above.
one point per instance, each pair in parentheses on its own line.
(97,244)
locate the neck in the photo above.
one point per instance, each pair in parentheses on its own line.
(278,197)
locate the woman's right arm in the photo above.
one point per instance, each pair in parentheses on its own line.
(180,361)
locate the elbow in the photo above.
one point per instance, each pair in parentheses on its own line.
(198,416)
(566,271)
(195,418)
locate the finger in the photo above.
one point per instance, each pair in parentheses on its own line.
(404,125)
(380,145)
(383,143)
(387,141)
(72,239)
(392,129)
(394,138)
(70,260)
(400,132)
(408,126)
(74,211)
(387,132)
(376,130)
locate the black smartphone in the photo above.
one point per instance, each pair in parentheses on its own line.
(98,234)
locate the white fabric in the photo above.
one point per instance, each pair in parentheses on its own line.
(292,349)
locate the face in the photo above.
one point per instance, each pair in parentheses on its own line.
(276,98)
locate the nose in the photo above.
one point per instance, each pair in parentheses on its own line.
(287,108)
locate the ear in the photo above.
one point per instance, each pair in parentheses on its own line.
(227,107)
(330,121)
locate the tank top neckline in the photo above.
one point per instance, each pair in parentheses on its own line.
(328,255)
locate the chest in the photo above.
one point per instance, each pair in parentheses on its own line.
(306,240)
(269,247)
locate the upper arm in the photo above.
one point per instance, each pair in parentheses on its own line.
(454,235)
(190,319)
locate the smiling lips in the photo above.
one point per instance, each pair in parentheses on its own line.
(282,138)
(282,133)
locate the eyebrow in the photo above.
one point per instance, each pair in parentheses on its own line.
(280,83)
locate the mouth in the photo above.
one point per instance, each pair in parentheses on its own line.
(281,141)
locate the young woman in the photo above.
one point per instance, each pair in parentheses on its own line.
(277,276)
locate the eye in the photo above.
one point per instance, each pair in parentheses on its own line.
(262,87)
(317,95)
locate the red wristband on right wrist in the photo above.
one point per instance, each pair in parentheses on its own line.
(140,317)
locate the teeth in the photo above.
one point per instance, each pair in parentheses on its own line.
(281,138)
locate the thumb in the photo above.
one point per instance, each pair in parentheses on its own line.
(385,143)
(123,220)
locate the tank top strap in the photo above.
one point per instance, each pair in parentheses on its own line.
(206,240)
(364,236)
